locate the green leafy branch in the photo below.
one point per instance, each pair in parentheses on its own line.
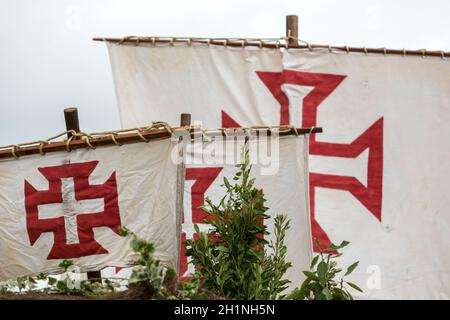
(321,281)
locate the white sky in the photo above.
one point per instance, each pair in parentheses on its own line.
(48,61)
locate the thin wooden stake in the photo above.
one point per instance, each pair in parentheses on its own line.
(292,29)
(185,120)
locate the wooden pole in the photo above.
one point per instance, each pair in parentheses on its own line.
(274,44)
(292,29)
(124,138)
(73,123)
(185,120)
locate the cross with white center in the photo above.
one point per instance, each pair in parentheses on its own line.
(70,209)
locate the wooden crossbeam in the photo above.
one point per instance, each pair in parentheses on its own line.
(132,137)
(275,44)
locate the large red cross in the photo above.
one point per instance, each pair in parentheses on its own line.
(84,243)
(371,139)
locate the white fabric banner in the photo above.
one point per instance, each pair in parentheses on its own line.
(378,172)
(214,84)
(71,206)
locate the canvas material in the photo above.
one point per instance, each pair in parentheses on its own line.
(132,186)
(377,172)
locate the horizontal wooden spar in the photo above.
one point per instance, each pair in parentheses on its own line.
(135,137)
(273,44)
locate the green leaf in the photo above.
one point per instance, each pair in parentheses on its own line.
(317,242)
(354,286)
(226,182)
(322,270)
(339,294)
(61,285)
(310,275)
(326,292)
(197,229)
(170,274)
(351,268)
(317,289)
(314,261)
(334,247)
(41,276)
(222,249)
(65,264)
(31,280)
(124,232)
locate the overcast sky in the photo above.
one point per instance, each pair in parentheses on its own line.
(48,61)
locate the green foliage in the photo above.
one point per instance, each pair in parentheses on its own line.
(64,285)
(321,282)
(66,264)
(148,277)
(231,259)
(158,281)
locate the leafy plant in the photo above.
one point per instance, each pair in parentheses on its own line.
(157,281)
(321,282)
(231,258)
(149,279)
(62,285)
